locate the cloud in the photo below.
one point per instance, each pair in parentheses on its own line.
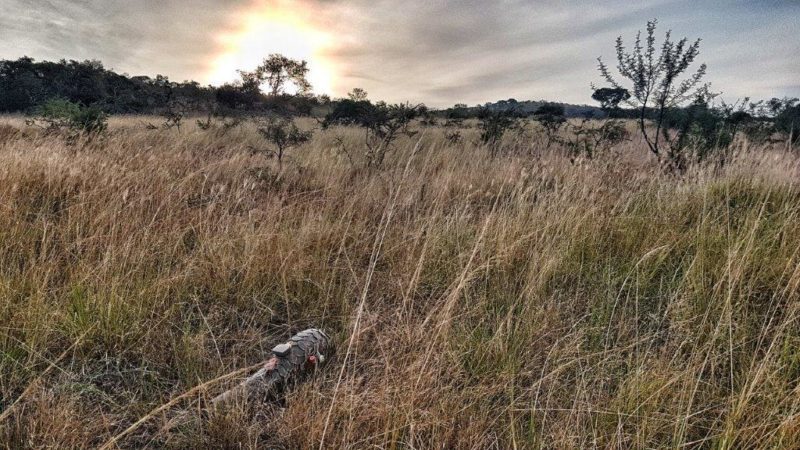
(436,51)
(141,37)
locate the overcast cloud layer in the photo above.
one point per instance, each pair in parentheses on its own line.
(437,51)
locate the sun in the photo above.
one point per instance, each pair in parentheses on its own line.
(275,26)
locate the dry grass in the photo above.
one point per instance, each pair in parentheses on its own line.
(524,302)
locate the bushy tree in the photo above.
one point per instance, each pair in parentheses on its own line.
(57,114)
(357,95)
(459,111)
(610,99)
(655,82)
(89,119)
(351,112)
(704,127)
(276,71)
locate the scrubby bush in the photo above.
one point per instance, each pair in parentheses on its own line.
(283,134)
(698,127)
(352,112)
(382,123)
(58,114)
(494,125)
(221,118)
(703,127)
(89,120)
(453,137)
(551,117)
(8,133)
(459,111)
(787,120)
(588,139)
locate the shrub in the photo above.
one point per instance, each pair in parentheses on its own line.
(8,133)
(453,137)
(589,140)
(382,123)
(352,112)
(788,121)
(704,127)
(90,120)
(283,134)
(220,118)
(236,96)
(57,114)
(551,117)
(494,125)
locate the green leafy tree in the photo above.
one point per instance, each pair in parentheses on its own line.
(57,114)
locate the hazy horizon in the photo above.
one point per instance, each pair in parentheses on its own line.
(440,53)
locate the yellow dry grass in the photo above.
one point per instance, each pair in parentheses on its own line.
(520,302)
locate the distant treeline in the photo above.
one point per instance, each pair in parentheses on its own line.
(26,84)
(522,108)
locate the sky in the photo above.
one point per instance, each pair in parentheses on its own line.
(439,52)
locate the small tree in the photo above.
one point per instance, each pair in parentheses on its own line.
(655,81)
(610,98)
(276,71)
(89,120)
(283,134)
(357,95)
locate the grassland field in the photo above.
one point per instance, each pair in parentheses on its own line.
(527,301)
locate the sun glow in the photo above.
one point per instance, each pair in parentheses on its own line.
(275,26)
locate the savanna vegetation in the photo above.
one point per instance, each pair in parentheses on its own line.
(494,277)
